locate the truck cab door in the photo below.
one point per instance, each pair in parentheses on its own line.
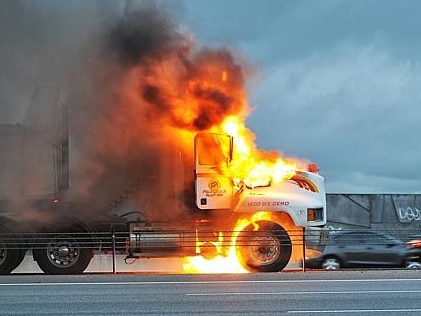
(213,153)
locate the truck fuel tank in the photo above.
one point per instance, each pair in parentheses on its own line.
(147,241)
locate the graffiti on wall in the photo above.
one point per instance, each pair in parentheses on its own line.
(408,214)
(331,229)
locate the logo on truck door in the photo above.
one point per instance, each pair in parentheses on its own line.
(214,185)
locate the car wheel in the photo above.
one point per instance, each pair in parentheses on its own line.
(413,265)
(331,263)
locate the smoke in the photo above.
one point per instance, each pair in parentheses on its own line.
(137,84)
(150,90)
(143,33)
(173,74)
(45,42)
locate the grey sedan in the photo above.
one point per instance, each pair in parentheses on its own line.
(351,249)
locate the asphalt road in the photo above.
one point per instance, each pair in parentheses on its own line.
(368,292)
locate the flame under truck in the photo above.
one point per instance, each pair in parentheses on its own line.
(32,181)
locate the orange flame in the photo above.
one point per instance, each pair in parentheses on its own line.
(207,93)
(177,95)
(250,164)
(230,263)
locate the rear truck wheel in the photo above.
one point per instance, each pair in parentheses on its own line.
(331,263)
(264,246)
(11,256)
(68,251)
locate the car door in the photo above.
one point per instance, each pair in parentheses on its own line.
(346,247)
(354,249)
(384,250)
(369,249)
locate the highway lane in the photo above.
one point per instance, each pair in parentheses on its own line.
(368,292)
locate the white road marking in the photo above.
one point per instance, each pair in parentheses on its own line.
(205,282)
(357,311)
(330,312)
(299,292)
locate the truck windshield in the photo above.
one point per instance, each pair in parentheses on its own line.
(213,149)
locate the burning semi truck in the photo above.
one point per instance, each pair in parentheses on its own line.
(148,155)
(216,202)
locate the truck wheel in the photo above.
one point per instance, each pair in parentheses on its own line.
(67,252)
(10,257)
(267,249)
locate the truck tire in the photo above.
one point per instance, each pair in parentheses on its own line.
(10,255)
(267,249)
(68,251)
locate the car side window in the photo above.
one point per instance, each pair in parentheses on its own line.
(345,239)
(373,239)
(360,239)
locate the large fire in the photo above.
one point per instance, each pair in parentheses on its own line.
(252,164)
(230,263)
(166,89)
(211,97)
(213,103)
(254,167)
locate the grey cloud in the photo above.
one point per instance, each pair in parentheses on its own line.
(352,110)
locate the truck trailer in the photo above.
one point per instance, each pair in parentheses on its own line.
(210,210)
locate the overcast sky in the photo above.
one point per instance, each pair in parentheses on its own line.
(338,80)
(339,83)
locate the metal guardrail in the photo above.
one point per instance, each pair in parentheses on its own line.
(112,240)
(116,242)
